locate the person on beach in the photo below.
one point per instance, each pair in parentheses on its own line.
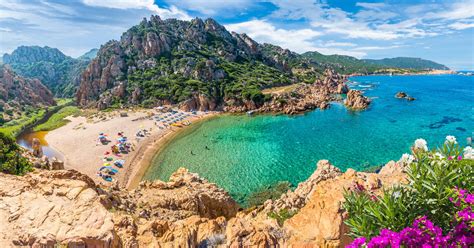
(207,148)
(192,153)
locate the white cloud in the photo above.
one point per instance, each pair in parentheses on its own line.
(458,10)
(371,48)
(461,25)
(298,40)
(339,44)
(172,12)
(331,51)
(212,7)
(371,5)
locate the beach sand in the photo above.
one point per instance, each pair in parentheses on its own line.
(77,142)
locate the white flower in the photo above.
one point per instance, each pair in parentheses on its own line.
(468,153)
(421,144)
(439,155)
(406,158)
(450,139)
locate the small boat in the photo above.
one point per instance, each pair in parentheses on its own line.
(251,112)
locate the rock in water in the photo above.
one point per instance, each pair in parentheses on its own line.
(404,95)
(37,149)
(356,101)
(401,94)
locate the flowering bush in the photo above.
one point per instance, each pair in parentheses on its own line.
(428,210)
(423,233)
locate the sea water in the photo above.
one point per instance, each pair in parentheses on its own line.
(243,154)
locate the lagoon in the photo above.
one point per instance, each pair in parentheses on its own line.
(245,154)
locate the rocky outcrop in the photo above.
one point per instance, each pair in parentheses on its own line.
(179,61)
(55,208)
(199,102)
(185,195)
(403,95)
(301,98)
(17,92)
(48,209)
(58,72)
(320,223)
(356,101)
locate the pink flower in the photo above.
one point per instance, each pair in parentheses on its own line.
(459,157)
(450,158)
(358,242)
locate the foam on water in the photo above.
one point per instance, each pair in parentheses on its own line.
(244,154)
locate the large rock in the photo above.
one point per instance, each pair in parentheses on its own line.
(198,102)
(356,101)
(47,209)
(320,223)
(404,95)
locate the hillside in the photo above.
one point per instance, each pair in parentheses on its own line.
(19,94)
(171,61)
(60,73)
(342,63)
(407,63)
(90,55)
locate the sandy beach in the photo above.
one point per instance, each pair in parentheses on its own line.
(78,144)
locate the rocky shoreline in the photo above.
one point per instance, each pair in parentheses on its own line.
(303,97)
(65,207)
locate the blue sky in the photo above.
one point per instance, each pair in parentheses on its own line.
(442,31)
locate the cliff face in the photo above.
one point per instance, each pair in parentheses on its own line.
(17,92)
(66,207)
(179,61)
(60,73)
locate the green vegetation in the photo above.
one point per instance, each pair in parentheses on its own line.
(243,80)
(57,119)
(348,65)
(343,64)
(434,178)
(282,215)
(407,63)
(30,116)
(11,161)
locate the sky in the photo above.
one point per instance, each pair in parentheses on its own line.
(442,31)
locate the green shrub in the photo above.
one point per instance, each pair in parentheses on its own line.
(11,161)
(282,215)
(432,177)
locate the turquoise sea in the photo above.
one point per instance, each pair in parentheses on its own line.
(245,154)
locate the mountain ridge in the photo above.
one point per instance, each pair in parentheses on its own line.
(408,63)
(18,93)
(59,72)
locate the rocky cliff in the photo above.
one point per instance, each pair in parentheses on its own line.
(58,72)
(51,208)
(17,92)
(197,63)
